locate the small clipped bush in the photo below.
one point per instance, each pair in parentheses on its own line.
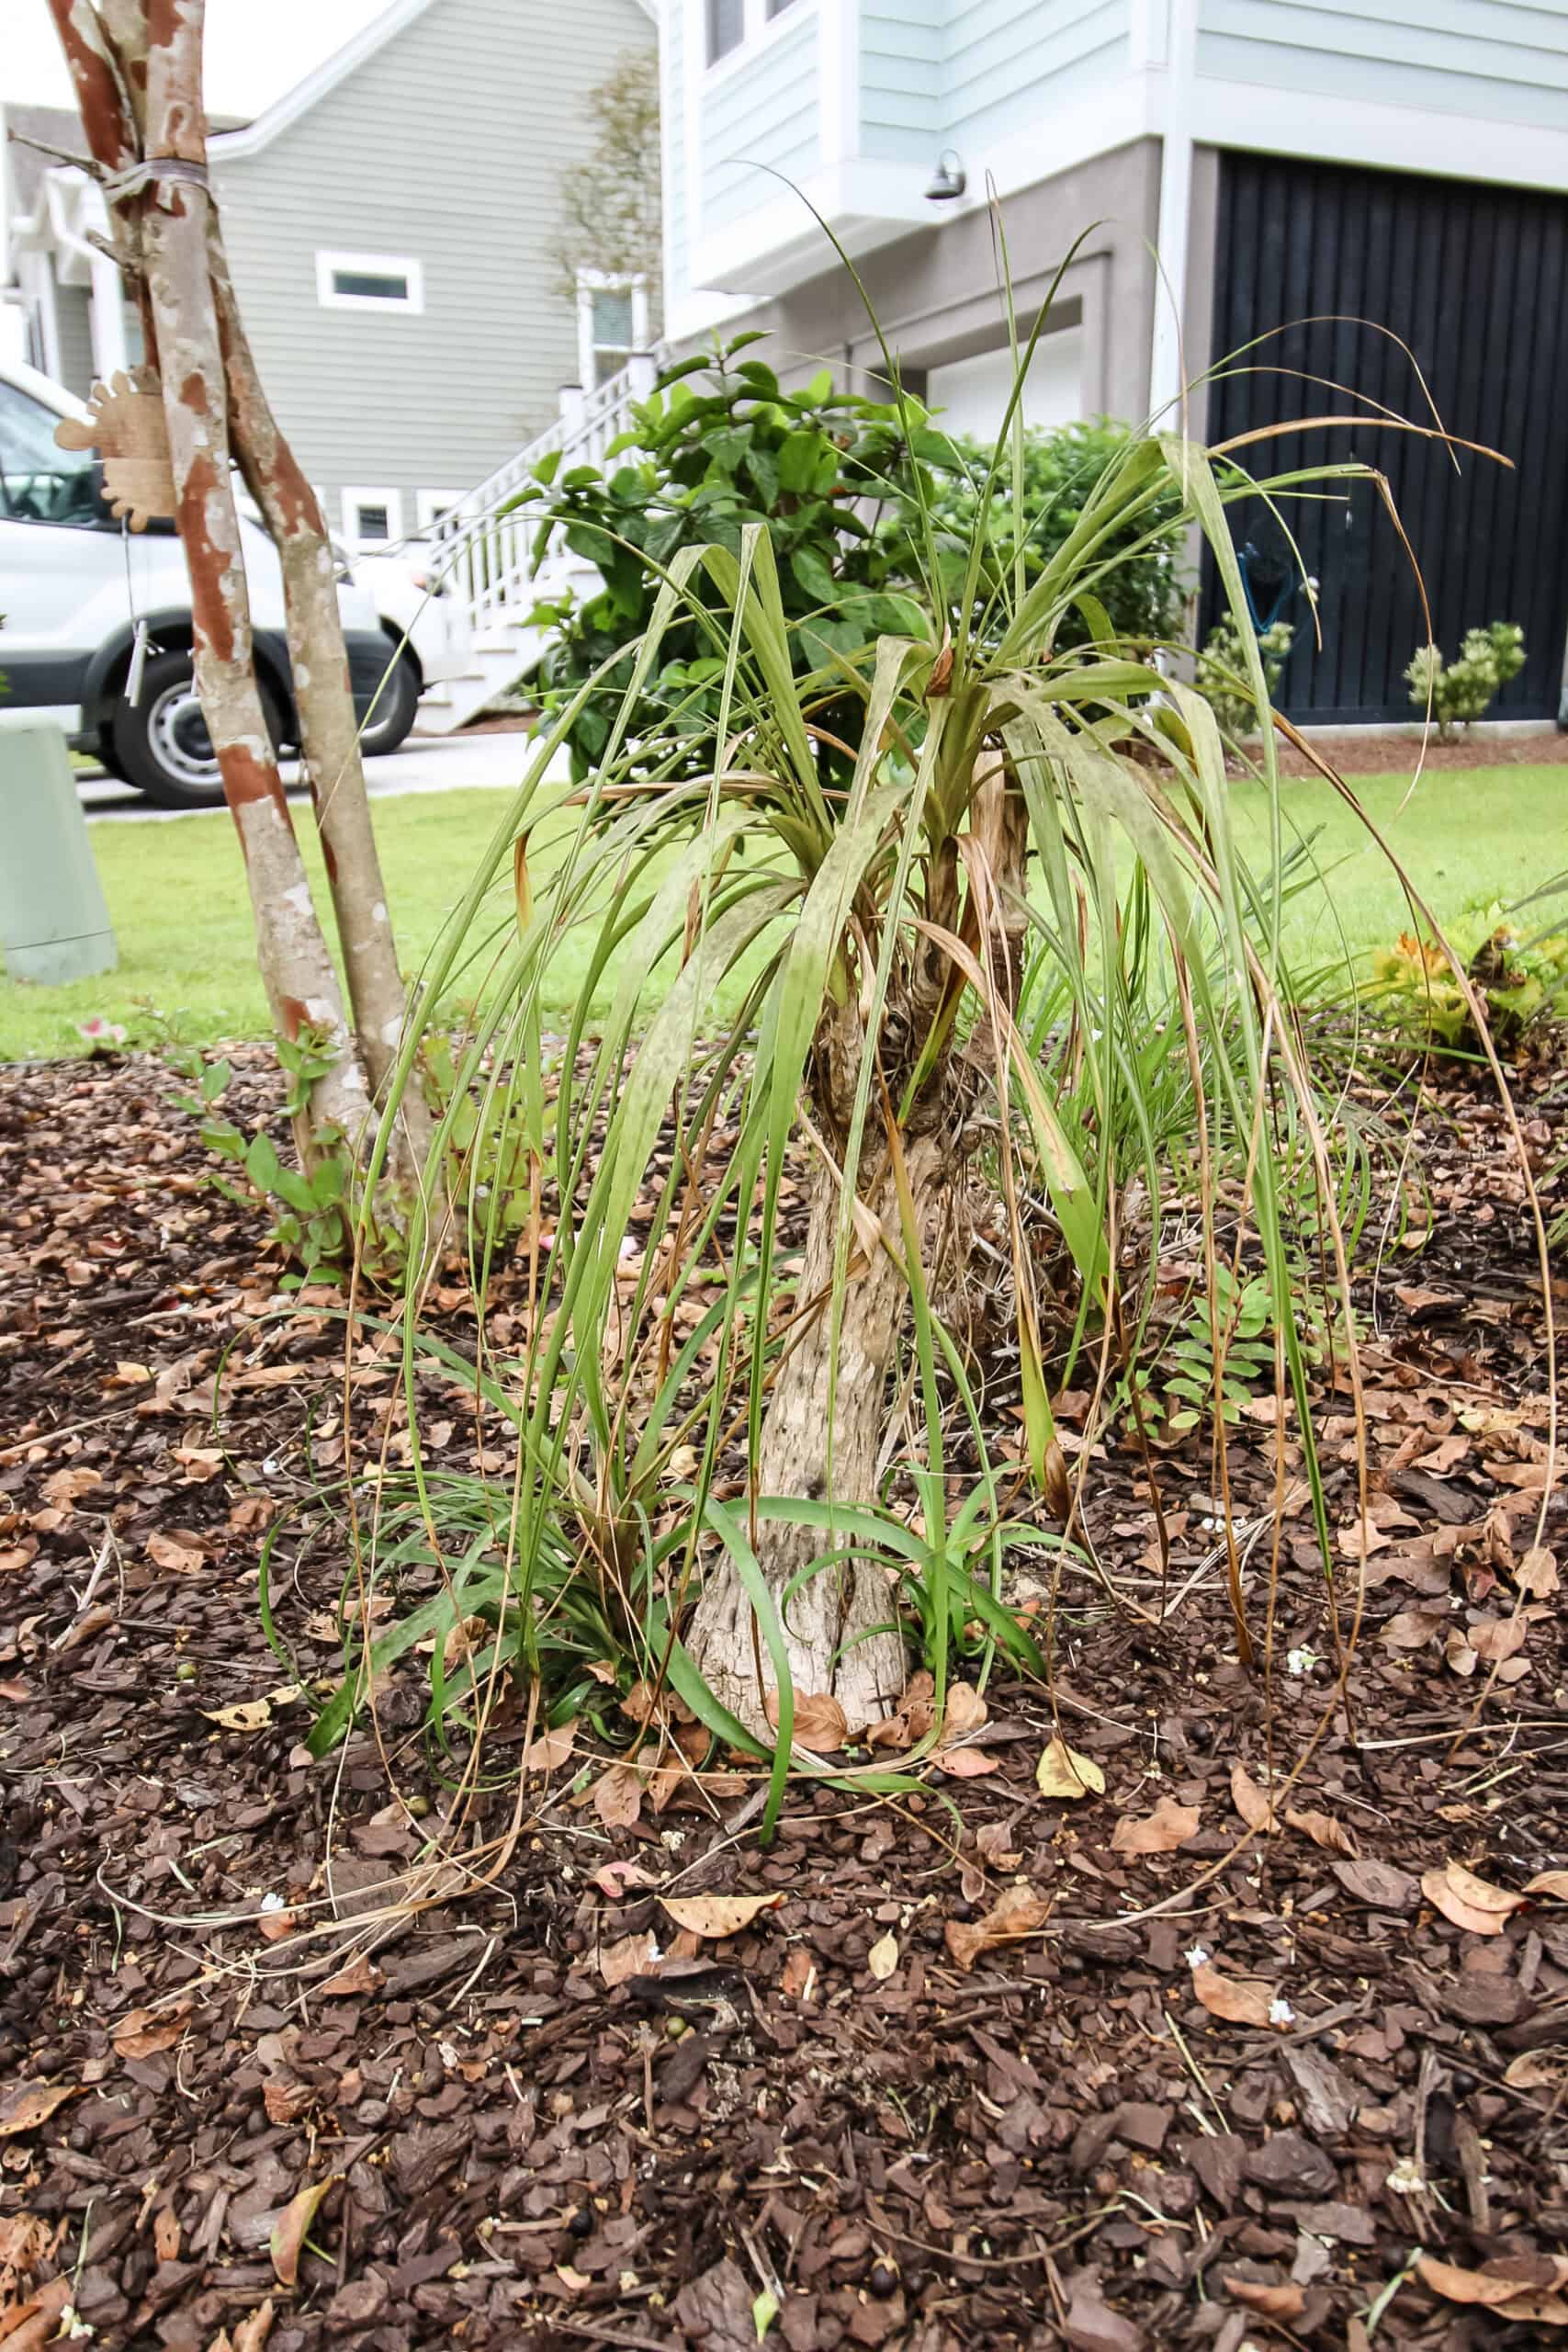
(1462,690)
(1222,680)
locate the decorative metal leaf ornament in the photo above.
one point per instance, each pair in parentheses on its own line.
(126,428)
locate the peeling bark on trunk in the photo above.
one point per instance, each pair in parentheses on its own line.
(136,66)
(828,1614)
(324,700)
(296,969)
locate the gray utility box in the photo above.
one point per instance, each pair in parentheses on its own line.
(54,925)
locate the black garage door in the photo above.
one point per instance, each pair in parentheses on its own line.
(1476,280)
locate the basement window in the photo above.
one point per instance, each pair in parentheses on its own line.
(369,282)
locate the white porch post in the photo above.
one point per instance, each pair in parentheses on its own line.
(108,319)
(1167,375)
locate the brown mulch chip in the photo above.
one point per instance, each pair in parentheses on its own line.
(250,2094)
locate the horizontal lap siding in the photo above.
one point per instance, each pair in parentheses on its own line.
(763,110)
(902,98)
(452,144)
(1488,58)
(1007,60)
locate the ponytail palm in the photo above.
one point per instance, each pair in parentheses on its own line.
(815,946)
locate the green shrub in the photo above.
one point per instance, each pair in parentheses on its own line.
(1459,691)
(860,511)
(1222,673)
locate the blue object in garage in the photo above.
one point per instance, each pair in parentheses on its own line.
(54,925)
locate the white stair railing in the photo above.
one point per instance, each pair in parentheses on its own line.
(484,554)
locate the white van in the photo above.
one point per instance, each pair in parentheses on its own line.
(74,584)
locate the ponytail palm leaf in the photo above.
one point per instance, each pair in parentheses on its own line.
(766,1187)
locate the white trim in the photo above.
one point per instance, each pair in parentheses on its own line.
(429,505)
(838,77)
(354,499)
(1261,119)
(230,144)
(1168,371)
(404,266)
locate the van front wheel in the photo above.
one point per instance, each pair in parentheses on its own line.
(161,744)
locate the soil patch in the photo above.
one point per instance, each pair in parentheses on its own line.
(989,2070)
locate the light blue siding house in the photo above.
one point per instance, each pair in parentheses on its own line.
(1283,158)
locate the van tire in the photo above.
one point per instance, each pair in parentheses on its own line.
(161,745)
(397,706)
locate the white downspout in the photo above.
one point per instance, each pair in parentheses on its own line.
(1167,375)
(107,309)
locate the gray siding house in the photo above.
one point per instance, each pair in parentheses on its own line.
(389,224)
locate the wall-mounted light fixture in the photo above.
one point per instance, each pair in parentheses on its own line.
(949,180)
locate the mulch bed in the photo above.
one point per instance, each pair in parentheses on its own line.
(1362,751)
(1056,2139)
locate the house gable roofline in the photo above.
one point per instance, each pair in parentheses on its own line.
(332,70)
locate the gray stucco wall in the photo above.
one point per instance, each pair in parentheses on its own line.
(450,145)
(935,291)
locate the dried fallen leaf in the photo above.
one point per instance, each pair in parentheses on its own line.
(966,1711)
(630,1956)
(251,2334)
(1532,2070)
(30,2104)
(883,1957)
(358,1977)
(1552,1882)
(35,2321)
(966,1763)
(141,2032)
(1161,1832)
(249,1715)
(1250,1801)
(292,2227)
(1467,1901)
(617,1797)
(1495,1638)
(1017,1912)
(1536,1573)
(714,1915)
(1062,1773)
(179,1559)
(1516,2287)
(1324,1830)
(1287,2301)
(1412,1629)
(820,1722)
(615,1877)
(1240,2000)
(550,1749)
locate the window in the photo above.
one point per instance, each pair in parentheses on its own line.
(727,27)
(430,505)
(38,481)
(731,23)
(372,519)
(369,282)
(611,323)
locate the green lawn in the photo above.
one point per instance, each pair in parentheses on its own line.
(177,893)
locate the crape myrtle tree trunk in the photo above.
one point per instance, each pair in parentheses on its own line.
(136,66)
